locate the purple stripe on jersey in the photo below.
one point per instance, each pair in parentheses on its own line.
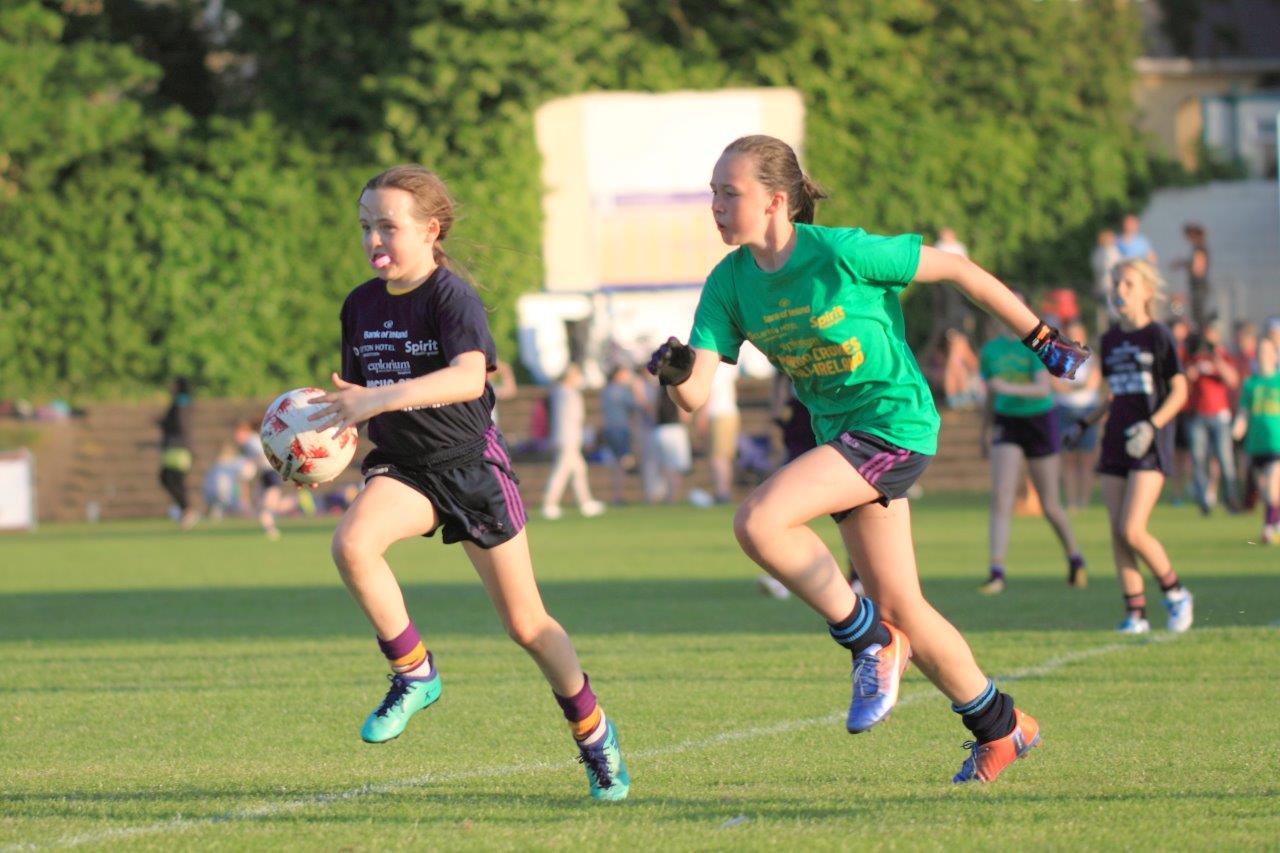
(510,491)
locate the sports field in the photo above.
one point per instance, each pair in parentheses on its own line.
(205,691)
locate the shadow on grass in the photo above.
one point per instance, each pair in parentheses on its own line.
(624,607)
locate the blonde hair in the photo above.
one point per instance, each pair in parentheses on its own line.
(431,199)
(778,169)
(1149,274)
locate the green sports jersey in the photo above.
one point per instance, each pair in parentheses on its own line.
(1010,360)
(830,319)
(1260,397)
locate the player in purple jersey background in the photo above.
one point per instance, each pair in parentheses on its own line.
(1146,389)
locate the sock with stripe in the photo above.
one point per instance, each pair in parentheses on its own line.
(860,628)
(1136,605)
(997,573)
(989,716)
(407,655)
(586,718)
(1170,583)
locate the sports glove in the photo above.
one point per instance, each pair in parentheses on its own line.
(672,362)
(1138,439)
(1061,356)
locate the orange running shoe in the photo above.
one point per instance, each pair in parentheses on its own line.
(877,672)
(987,760)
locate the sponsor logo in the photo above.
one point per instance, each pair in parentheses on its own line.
(429,347)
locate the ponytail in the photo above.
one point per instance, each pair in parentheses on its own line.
(778,169)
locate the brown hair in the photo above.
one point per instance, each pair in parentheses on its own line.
(431,199)
(778,169)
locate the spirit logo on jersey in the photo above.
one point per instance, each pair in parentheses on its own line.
(1129,370)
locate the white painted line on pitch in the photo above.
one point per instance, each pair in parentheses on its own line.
(267,810)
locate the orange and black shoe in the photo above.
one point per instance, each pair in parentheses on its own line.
(987,760)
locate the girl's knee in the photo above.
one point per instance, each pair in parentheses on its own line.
(1133,535)
(901,607)
(751,524)
(348,548)
(526,629)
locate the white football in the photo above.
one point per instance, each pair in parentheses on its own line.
(293,446)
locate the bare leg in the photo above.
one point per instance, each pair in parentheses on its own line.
(1129,504)
(770,526)
(1045,476)
(561,471)
(507,573)
(578,477)
(1006,468)
(879,542)
(385,512)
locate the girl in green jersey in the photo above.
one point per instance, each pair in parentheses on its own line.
(1258,423)
(822,304)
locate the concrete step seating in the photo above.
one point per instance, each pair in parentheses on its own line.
(107,462)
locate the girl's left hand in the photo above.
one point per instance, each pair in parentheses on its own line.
(347,406)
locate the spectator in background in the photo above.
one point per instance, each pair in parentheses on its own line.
(568,420)
(175,451)
(951,309)
(668,450)
(221,486)
(1244,357)
(1273,330)
(1180,480)
(962,384)
(724,423)
(256,467)
(1132,243)
(618,407)
(1244,348)
(1212,377)
(1077,399)
(1197,267)
(948,242)
(1106,254)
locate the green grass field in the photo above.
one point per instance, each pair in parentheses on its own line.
(205,691)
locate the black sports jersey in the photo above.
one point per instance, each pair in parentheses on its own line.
(388,339)
(1138,366)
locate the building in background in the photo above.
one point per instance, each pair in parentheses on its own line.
(1210,77)
(628,236)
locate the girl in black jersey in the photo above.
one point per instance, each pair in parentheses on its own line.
(1145,390)
(416,353)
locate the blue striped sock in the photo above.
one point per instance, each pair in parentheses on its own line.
(861,628)
(983,700)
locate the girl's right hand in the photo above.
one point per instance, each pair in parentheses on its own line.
(672,362)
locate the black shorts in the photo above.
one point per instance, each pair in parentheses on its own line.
(475,501)
(1258,461)
(889,469)
(270,479)
(1037,435)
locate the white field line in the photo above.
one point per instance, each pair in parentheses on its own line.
(267,810)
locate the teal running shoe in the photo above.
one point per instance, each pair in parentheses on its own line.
(406,697)
(606,771)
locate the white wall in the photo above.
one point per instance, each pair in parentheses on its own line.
(1242,219)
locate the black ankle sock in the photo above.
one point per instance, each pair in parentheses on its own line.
(1136,604)
(992,721)
(1169,583)
(860,628)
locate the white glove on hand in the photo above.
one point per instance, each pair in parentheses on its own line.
(1138,439)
